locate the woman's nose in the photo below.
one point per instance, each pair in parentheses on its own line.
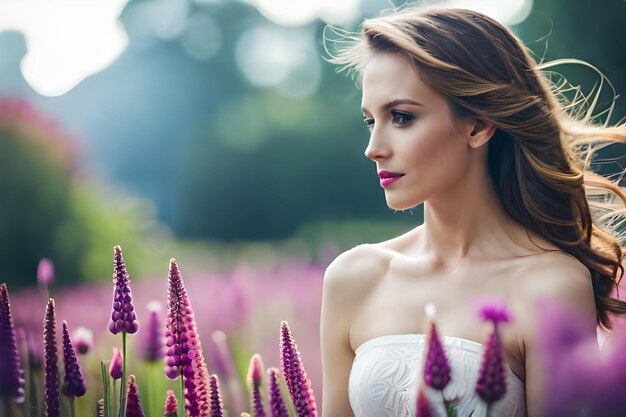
(376,148)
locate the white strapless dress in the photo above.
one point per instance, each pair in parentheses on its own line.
(387,371)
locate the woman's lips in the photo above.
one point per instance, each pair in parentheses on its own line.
(387,177)
(386,181)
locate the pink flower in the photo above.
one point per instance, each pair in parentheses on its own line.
(45,272)
(436,366)
(423,407)
(171,405)
(83,339)
(255,372)
(133,402)
(115,368)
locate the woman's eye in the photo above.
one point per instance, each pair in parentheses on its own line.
(401,118)
(369,122)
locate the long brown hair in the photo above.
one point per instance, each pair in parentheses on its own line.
(539,158)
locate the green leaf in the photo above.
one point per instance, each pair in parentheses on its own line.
(106,389)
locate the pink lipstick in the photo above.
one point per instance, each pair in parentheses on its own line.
(387,177)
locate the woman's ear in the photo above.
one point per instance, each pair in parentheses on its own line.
(481,133)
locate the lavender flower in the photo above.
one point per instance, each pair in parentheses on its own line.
(217,408)
(277,403)
(171,405)
(423,407)
(117,364)
(491,384)
(298,384)
(123,317)
(152,343)
(45,272)
(255,372)
(11,381)
(51,392)
(83,340)
(133,403)
(74,384)
(184,354)
(436,367)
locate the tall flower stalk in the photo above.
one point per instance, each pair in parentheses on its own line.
(11,381)
(437,372)
(217,407)
(123,316)
(184,354)
(277,403)
(298,384)
(51,358)
(134,407)
(74,384)
(171,405)
(255,380)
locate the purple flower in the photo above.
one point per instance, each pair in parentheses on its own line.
(491,384)
(298,384)
(45,272)
(11,381)
(436,367)
(152,342)
(423,407)
(277,403)
(51,358)
(217,408)
(133,403)
(83,340)
(74,384)
(184,354)
(171,405)
(123,316)
(117,364)
(255,372)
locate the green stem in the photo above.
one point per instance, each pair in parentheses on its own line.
(7,405)
(123,384)
(32,391)
(72,413)
(488,410)
(182,394)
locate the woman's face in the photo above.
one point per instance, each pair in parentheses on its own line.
(419,149)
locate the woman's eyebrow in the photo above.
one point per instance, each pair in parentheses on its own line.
(395,102)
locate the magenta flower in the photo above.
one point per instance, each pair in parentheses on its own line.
(491,384)
(184,354)
(276,400)
(255,372)
(217,408)
(133,402)
(83,340)
(123,316)
(152,343)
(11,381)
(51,391)
(298,384)
(74,384)
(117,364)
(171,405)
(423,407)
(436,367)
(45,272)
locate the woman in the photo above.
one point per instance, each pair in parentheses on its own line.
(462,119)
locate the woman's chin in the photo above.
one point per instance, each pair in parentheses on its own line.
(401,205)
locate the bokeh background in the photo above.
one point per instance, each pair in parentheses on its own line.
(213,131)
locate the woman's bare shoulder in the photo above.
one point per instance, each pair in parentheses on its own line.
(361,264)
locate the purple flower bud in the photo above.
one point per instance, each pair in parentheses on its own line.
(436,367)
(123,316)
(151,344)
(171,405)
(423,407)
(45,272)
(51,358)
(74,384)
(277,403)
(83,340)
(11,381)
(217,408)
(255,372)
(117,364)
(133,403)
(491,384)
(298,384)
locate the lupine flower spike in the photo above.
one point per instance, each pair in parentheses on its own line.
(436,365)
(123,316)
(152,342)
(51,391)
(184,354)
(298,384)
(217,408)
(423,407)
(171,405)
(115,368)
(491,384)
(255,379)
(74,384)
(100,408)
(133,403)
(83,340)
(277,403)
(11,381)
